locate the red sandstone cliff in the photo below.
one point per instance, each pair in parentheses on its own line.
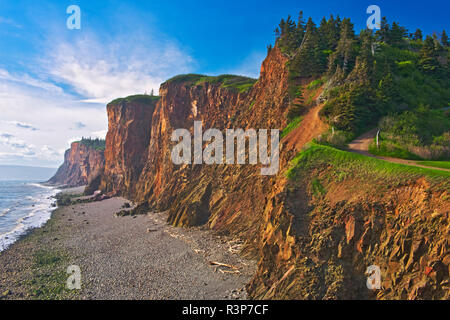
(215,194)
(127,142)
(81,165)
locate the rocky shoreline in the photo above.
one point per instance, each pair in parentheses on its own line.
(122,257)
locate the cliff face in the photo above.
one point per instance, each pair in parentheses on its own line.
(315,234)
(127,142)
(81,165)
(213,194)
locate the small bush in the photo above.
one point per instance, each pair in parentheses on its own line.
(315,84)
(390,149)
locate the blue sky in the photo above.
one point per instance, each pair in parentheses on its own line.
(55,82)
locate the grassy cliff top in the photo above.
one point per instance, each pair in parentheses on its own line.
(342,164)
(239,83)
(139,98)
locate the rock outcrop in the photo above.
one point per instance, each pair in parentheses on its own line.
(82,164)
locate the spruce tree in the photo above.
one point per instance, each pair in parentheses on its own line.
(444,39)
(344,55)
(301,27)
(287,41)
(396,35)
(323,34)
(418,35)
(333,33)
(429,56)
(383,33)
(386,91)
(277,34)
(306,62)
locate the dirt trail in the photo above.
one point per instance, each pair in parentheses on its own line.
(310,127)
(361,145)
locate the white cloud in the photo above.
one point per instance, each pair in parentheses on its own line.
(50,112)
(63,92)
(16,146)
(26,79)
(101,72)
(22,125)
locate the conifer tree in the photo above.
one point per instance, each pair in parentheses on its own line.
(418,35)
(333,33)
(287,40)
(383,33)
(306,62)
(344,54)
(277,34)
(396,35)
(323,33)
(301,27)
(428,56)
(386,90)
(444,39)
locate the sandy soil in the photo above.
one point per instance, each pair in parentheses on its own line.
(138,257)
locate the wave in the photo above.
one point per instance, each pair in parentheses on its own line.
(37,212)
(39,185)
(6,211)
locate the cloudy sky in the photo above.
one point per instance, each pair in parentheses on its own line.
(55,82)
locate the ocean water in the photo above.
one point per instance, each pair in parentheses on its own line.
(24,205)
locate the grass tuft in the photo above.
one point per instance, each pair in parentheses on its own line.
(291,126)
